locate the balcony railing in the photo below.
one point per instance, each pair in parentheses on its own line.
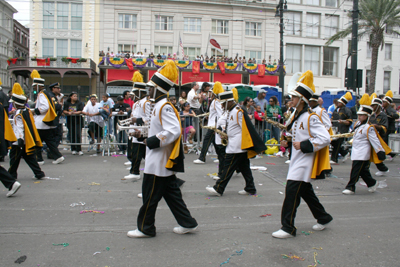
(59,63)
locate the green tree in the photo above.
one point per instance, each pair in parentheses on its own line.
(376,18)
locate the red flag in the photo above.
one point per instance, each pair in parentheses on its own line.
(261,70)
(14,60)
(73,60)
(129,63)
(195,67)
(48,61)
(8,62)
(221,66)
(41,62)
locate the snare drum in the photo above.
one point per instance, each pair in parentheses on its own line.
(394,143)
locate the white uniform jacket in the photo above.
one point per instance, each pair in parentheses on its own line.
(309,130)
(141,110)
(43,106)
(321,112)
(18,126)
(167,130)
(221,123)
(215,113)
(364,136)
(234,131)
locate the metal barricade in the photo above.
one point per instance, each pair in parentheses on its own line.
(191,133)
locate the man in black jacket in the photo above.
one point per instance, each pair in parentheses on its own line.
(392,117)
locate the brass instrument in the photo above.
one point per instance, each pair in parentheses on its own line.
(203,115)
(224,136)
(125,122)
(275,123)
(345,135)
(143,129)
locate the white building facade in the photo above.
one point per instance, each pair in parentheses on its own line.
(6,41)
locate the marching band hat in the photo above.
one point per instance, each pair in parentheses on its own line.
(377,101)
(365,106)
(37,80)
(346,98)
(305,88)
(18,95)
(226,96)
(51,86)
(314,97)
(164,79)
(388,97)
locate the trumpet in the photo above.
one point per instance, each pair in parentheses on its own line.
(143,129)
(203,115)
(275,123)
(224,136)
(125,122)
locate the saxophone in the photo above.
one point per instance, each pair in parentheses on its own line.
(275,123)
(224,136)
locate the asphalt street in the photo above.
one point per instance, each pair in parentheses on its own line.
(39,218)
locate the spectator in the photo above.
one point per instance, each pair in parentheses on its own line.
(95,120)
(204,97)
(105,111)
(164,57)
(101,53)
(320,102)
(182,98)
(332,107)
(172,99)
(73,109)
(187,115)
(259,115)
(120,111)
(127,98)
(274,111)
(193,98)
(260,100)
(354,109)
(112,54)
(248,106)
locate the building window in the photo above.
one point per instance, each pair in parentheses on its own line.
(388,51)
(330,61)
(253,29)
(76,16)
(386,81)
(62,15)
(253,55)
(216,53)
(220,26)
(48,15)
(293,25)
(293,58)
(331,25)
(192,52)
(126,48)
(76,48)
(127,21)
(313,2)
(164,23)
(163,49)
(294,1)
(312,25)
(369,50)
(331,3)
(311,59)
(48,48)
(62,48)
(192,25)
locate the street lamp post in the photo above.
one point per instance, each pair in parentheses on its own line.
(280,8)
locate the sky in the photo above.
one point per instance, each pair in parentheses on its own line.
(23,7)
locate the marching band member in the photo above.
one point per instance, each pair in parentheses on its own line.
(140,116)
(7,135)
(45,120)
(321,112)
(215,114)
(310,157)
(27,135)
(392,117)
(164,158)
(365,136)
(379,120)
(342,117)
(243,143)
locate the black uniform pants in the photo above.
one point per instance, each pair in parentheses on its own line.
(138,152)
(220,149)
(294,192)
(153,189)
(6,178)
(16,154)
(360,168)
(234,162)
(48,136)
(337,148)
(382,167)
(209,139)
(129,150)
